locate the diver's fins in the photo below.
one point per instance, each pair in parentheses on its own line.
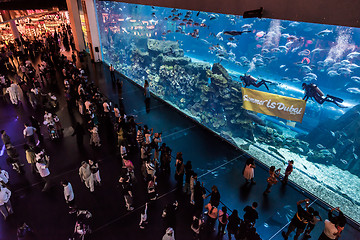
(336,99)
(340,105)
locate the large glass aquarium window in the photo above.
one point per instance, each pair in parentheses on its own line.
(195,61)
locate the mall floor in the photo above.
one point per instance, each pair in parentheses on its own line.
(216,161)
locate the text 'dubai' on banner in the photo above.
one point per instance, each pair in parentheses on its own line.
(273,105)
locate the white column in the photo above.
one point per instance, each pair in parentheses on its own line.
(92,29)
(75,24)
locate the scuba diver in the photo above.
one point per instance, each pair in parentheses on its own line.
(250,80)
(313,91)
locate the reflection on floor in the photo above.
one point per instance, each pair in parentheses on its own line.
(215,161)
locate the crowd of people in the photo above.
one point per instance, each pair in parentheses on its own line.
(137,145)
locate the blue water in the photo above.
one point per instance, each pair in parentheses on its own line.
(283,52)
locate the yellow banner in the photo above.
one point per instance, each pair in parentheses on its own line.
(274,105)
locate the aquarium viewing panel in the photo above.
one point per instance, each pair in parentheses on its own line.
(197,61)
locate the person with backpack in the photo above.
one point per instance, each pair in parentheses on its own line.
(223,220)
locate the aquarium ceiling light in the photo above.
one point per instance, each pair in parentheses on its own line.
(254,13)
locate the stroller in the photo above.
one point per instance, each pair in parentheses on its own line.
(81,228)
(53,133)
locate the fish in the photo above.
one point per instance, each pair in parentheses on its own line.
(317,50)
(345,62)
(306,69)
(343,161)
(283,48)
(320,146)
(281,66)
(275,50)
(356,79)
(173,10)
(198,13)
(277,152)
(212,17)
(324,32)
(153,22)
(305,52)
(293,24)
(245,146)
(353,90)
(344,71)
(353,66)
(230,44)
(311,75)
(255,118)
(333,73)
(182,24)
(234,33)
(353,55)
(285,35)
(246,26)
(334,151)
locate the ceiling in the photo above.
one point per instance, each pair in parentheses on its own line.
(333,12)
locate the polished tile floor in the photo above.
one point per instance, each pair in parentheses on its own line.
(216,162)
